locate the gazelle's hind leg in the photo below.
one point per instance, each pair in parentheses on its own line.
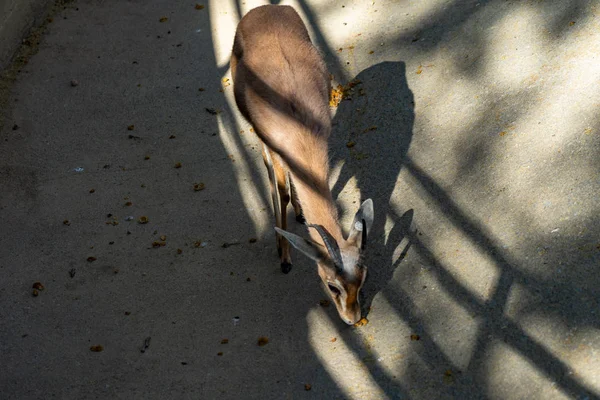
(280,195)
(295,201)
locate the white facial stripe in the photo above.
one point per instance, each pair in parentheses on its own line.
(349,260)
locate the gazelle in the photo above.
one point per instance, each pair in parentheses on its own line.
(281,87)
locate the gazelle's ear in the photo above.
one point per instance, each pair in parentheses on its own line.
(361,226)
(309,248)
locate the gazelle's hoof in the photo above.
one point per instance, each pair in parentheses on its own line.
(300,218)
(286,267)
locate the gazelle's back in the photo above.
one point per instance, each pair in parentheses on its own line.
(281,84)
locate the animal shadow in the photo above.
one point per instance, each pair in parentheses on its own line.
(372,131)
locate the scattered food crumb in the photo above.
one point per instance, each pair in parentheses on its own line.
(371,128)
(172,137)
(263,340)
(201,89)
(113,222)
(157,244)
(371,52)
(502,133)
(66,222)
(307,386)
(177,165)
(415,337)
(128,204)
(35,293)
(146,157)
(419,70)
(350,144)
(224,341)
(335,97)
(448,376)
(571,23)
(252,240)
(97,348)
(324,303)
(220,353)
(130,127)
(198,187)
(163,237)
(91,259)
(362,322)
(179,251)
(38,286)
(74,82)
(199,7)
(163,19)
(92,190)
(333,340)
(143,219)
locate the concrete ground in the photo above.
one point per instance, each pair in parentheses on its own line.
(476,131)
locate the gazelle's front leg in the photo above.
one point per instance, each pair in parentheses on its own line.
(280,195)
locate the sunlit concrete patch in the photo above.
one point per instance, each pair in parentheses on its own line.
(513,47)
(576,346)
(509,374)
(340,360)
(451,326)
(223,19)
(249,188)
(463,257)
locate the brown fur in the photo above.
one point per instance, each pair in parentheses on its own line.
(281,86)
(287,102)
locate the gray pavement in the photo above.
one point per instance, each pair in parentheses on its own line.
(474,128)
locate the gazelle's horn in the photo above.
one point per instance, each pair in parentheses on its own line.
(330,244)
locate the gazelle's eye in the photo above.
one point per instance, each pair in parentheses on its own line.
(335,291)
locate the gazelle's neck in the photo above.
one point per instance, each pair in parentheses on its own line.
(310,177)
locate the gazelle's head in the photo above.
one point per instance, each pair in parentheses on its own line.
(340,265)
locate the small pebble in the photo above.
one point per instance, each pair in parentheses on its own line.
(74,82)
